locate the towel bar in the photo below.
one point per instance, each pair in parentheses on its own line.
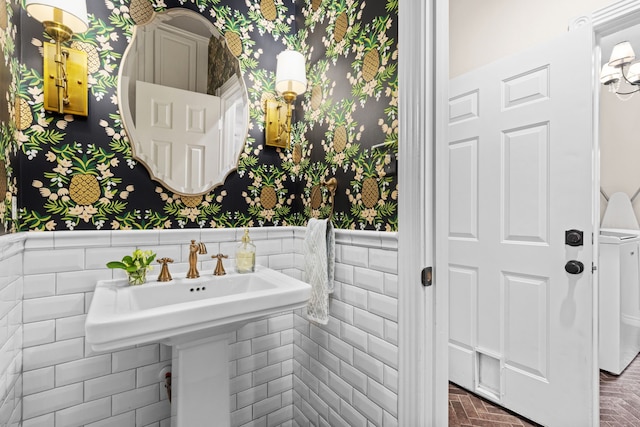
(332,185)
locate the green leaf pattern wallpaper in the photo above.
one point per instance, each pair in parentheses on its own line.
(77,173)
(9,65)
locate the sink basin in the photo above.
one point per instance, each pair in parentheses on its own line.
(186,309)
(194,316)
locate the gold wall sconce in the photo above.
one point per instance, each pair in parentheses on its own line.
(291,81)
(65,69)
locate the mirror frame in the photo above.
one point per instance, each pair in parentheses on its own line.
(127,119)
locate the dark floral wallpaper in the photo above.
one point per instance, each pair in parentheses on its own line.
(75,173)
(10,47)
(349,127)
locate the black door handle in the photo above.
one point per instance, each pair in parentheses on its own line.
(574,267)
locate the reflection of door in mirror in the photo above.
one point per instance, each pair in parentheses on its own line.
(183,102)
(179,131)
(180,59)
(170,56)
(233,121)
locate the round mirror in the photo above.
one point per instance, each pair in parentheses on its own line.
(183,101)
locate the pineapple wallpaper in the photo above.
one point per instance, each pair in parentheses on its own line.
(78,173)
(9,45)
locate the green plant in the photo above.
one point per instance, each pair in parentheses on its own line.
(139,260)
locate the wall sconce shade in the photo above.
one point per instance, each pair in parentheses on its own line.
(66,68)
(70,13)
(291,75)
(291,81)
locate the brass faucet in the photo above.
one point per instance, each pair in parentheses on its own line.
(195,249)
(164,276)
(219,271)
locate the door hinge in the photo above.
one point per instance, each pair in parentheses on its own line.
(427,276)
(594,267)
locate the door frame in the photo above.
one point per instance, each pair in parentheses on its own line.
(423,110)
(604,21)
(423,32)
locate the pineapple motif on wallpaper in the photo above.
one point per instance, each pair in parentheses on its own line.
(141,11)
(268,9)
(80,174)
(234,43)
(84,189)
(360,60)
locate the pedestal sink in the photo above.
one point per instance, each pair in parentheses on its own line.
(194,316)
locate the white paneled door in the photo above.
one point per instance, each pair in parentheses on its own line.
(520,176)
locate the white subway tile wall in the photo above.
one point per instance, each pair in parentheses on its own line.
(11,333)
(285,371)
(346,373)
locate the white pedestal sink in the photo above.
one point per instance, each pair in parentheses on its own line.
(194,316)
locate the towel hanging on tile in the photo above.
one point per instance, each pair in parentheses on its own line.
(319,266)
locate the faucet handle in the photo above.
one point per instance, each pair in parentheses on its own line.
(164,276)
(219,271)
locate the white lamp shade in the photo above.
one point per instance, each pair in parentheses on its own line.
(609,74)
(290,72)
(633,75)
(622,54)
(74,12)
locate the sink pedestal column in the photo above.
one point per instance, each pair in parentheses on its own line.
(201,383)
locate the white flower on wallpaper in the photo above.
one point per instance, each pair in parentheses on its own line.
(87,179)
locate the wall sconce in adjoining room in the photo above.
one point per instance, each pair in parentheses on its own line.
(65,69)
(291,81)
(621,68)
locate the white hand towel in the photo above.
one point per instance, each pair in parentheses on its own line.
(319,266)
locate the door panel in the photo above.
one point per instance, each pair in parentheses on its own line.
(525,88)
(181,131)
(462,285)
(463,158)
(527,324)
(520,163)
(526,183)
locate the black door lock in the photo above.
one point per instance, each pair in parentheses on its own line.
(573,238)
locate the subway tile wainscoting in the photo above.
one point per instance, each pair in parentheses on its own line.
(284,370)
(11,253)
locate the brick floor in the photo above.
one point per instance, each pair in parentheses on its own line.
(620,397)
(469,410)
(619,404)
